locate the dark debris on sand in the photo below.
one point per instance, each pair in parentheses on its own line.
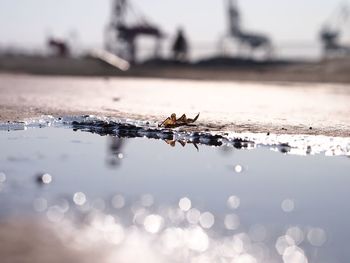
(126,130)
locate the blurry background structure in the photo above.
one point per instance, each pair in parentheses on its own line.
(144,31)
(245,41)
(333,30)
(122,35)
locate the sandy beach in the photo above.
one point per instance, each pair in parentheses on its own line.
(276,107)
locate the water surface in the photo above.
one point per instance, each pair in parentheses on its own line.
(211,204)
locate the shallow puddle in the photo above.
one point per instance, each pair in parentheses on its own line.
(173,203)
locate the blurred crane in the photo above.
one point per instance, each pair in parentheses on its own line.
(121,33)
(253,41)
(331,32)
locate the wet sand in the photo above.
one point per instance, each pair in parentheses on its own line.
(276,107)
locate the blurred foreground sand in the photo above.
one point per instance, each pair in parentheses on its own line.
(26,240)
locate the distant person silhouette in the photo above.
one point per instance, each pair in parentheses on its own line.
(180,47)
(59,47)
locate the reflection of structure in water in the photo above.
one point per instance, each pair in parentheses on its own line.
(121,35)
(331,32)
(249,40)
(115,154)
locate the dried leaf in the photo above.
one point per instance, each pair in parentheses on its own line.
(172,122)
(182,119)
(193,120)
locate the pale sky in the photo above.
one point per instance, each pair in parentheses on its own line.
(28,22)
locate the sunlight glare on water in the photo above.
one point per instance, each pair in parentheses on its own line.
(184,207)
